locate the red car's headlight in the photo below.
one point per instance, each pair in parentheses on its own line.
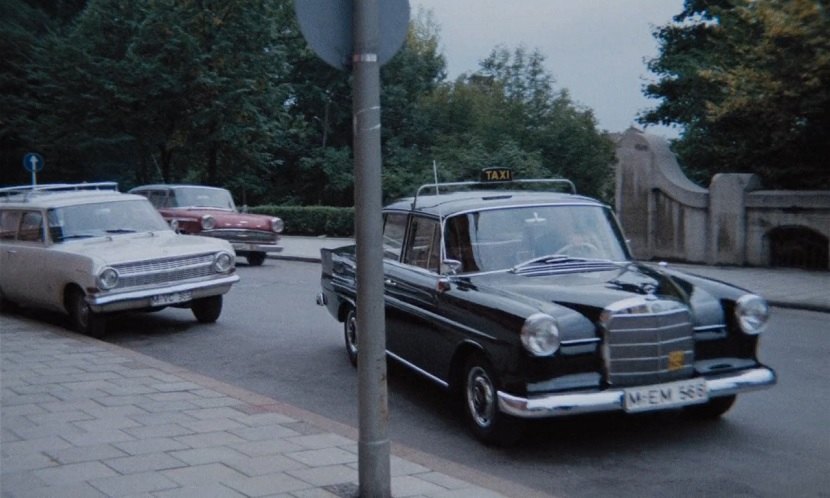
(277,225)
(208,222)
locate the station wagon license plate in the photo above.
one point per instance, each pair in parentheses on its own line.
(668,395)
(172,298)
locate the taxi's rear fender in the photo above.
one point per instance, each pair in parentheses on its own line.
(344,308)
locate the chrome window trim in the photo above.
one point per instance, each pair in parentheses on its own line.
(426,374)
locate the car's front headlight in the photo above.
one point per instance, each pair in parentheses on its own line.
(752,313)
(277,225)
(540,334)
(107,278)
(208,222)
(223,262)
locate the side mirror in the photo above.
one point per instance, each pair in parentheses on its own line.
(450,266)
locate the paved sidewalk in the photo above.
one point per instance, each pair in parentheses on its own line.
(784,287)
(84,418)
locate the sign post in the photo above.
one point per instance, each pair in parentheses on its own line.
(362,35)
(33,162)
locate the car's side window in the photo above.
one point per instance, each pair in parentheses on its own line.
(31,227)
(8,224)
(423,244)
(158,198)
(394,229)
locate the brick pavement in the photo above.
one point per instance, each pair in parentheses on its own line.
(84,418)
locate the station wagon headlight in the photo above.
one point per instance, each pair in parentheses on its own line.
(223,262)
(540,334)
(752,313)
(208,222)
(277,225)
(107,278)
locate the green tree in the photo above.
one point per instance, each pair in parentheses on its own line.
(22,24)
(749,83)
(407,80)
(228,93)
(168,90)
(508,113)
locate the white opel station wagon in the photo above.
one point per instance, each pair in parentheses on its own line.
(89,250)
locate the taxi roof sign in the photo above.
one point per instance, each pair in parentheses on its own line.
(496,174)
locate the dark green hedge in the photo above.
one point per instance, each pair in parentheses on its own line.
(312,220)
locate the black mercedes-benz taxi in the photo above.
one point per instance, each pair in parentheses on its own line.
(525,300)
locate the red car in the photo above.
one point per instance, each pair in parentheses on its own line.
(210,211)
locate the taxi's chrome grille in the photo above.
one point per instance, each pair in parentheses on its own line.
(166,270)
(647,341)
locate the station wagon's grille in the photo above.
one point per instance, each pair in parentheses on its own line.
(244,236)
(647,341)
(166,270)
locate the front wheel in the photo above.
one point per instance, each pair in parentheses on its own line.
(481,408)
(350,335)
(255,258)
(84,320)
(207,309)
(712,409)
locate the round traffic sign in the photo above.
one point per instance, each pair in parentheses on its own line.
(327,27)
(33,162)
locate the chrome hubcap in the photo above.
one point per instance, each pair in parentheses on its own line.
(351,333)
(480,397)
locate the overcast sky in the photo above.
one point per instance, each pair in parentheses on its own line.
(594,48)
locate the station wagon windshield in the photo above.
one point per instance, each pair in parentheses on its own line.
(499,239)
(105,218)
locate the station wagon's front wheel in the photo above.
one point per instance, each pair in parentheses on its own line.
(207,309)
(486,421)
(84,320)
(350,335)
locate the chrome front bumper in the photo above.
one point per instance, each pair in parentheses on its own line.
(555,405)
(253,247)
(138,299)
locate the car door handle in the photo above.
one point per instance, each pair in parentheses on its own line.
(389,282)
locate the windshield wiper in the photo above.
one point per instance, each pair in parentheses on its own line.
(555,259)
(547,260)
(75,236)
(120,230)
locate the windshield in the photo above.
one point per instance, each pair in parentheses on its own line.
(105,218)
(203,197)
(503,238)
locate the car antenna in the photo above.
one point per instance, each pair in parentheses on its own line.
(435,174)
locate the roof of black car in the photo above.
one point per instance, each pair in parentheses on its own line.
(456,202)
(169,186)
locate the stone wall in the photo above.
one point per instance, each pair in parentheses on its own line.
(667,216)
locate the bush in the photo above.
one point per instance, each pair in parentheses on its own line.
(312,220)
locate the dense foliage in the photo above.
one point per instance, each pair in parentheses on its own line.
(749,82)
(226,92)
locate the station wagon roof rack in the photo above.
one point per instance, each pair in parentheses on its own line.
(27,191)
(454,185)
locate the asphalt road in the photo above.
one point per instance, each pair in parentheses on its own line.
(272,339)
